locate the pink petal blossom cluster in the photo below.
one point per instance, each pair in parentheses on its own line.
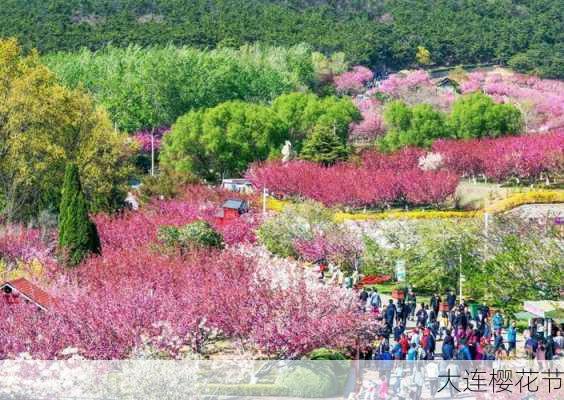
(372,123)
(350,185)
(353,81)
(135,296)
(396,84)
(523,157)
(21,244)
(332,246)
(145,137)
(540,100)
(116,303)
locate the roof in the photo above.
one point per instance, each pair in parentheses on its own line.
(544,309)
(237,181)
(31,292)
(235,204)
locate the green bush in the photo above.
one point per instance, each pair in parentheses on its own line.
(416,126)
(307,382)
(195,235)
(326,354)
(476,115)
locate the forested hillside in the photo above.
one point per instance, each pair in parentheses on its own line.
(527,34)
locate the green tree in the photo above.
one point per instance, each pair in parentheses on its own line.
(78,236)
(477,115)
(416,126)
(324,146)
(301,112)
(223,140)
(42,127)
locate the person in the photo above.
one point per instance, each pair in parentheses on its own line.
(435,303)
(448,346)
(512,339)
(383,389)
(432,370)
(415,337)
(390,313)
(464,352)
(404,343)
(422,316)
(419,381)
(375,300)
(399,311)
(497,321)
(398,331)
(531,345)
(412,353)
(443,324)
(363,297)
(550,348)
(559,343)
(451,300)
(498,341)
(412,303)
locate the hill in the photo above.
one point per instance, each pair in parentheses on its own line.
(527,34)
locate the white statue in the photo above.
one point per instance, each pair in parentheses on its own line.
(287,152)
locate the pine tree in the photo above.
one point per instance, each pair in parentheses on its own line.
(78,235)
(324,146)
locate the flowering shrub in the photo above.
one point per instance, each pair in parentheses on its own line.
(145,137)
(372,123)
(353,81)
(20,244)
(350,185)
(397,84)
(523,157)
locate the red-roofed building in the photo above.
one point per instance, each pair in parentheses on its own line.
(22,289)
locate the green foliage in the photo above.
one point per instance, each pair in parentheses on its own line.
(324,146)
(326,354)
(42,127)
(166,184)
(302,112)
(416,126)
(78,236)
(223,140)
(544,60)
(375,33)
(144,88)
(295,222)
(199,234)
(302,381)
(374,258)
(477,115)
(512,262)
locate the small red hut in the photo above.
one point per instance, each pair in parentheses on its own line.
(21,289)
(231,210)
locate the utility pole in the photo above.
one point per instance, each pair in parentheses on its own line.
(153,152)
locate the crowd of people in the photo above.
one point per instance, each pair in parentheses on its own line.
(479,335)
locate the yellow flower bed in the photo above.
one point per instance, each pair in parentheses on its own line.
(532,197)
(342,216)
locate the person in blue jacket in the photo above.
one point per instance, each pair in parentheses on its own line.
(464,352)
(497,321)
(511,338)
